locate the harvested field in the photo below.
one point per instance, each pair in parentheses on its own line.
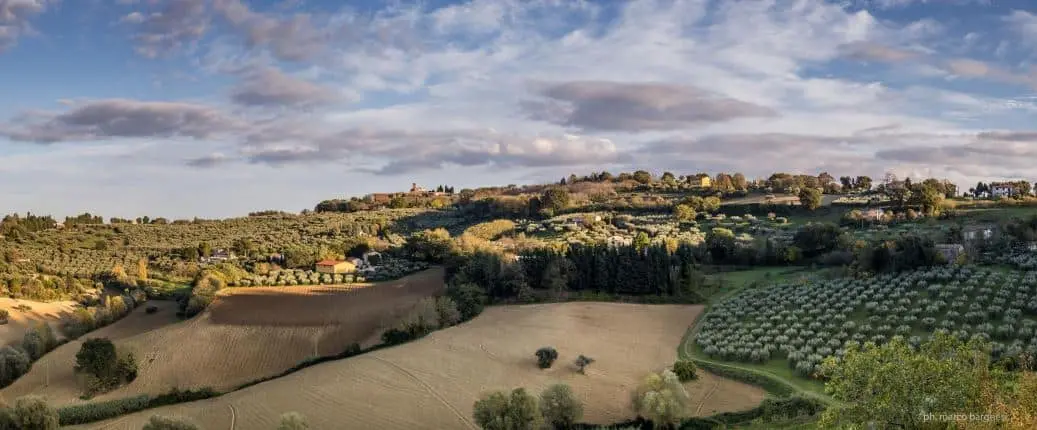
(432,383)
(20,321)
(246,334)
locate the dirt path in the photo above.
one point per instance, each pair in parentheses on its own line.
(430,389)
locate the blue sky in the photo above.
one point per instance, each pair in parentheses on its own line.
(214,108)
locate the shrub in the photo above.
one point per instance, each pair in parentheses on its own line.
(151,309)
(685,370)
(546,356)
(165,423)
(448,313)
(13,363)
(499,411)
(560,407)
(32,412)
(39,340)
(4,316)
(293,421)
(582,361)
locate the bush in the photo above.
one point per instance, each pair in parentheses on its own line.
(32,412)
(13,363)
(4,316)
(560,407)
(99,411)
(499,411)
(151,309)
(39,340)
(293,421)
(685,370)
(165,423)
(546,356)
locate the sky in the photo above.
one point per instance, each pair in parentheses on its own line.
(214,108)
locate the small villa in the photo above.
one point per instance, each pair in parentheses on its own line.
(335,266)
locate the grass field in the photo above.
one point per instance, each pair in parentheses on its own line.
(432,383)
(21,320)
(246,334)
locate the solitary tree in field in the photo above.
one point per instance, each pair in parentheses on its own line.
(582,361)
(546,356)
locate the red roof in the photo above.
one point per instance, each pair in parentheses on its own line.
(329,262)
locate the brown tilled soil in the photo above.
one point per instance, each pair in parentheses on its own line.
(432,383)
(247,333)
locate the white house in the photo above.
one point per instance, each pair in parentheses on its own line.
(1002,191)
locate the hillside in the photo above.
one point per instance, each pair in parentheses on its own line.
(433,382)
(245,335)
(21,320)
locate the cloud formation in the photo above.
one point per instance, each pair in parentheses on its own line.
(14,19)
(634,107)
(268,86)
(121,118)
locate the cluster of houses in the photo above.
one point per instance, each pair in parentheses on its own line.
(415,191)
(368,263)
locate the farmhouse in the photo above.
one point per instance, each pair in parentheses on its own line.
(977,233)
(1002,190)
(335,266)
(702,181)
(950,251)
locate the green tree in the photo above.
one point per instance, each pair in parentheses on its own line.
(157,422)
(643,177)
(555,199)
(546,356)
(470,299)
(448,313)
(33,413)
(641,241)
(662,399)
(894,385)
(13,363)
(97,357)
(668,178)
(810,198)
(560,407)
(293,421)
(685,370)
(684,212)
(499,411)
(39,340)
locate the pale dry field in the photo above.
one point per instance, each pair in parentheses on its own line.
(246,334)
(20,321)
(432,383)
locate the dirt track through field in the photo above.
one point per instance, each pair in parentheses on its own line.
(245,335)
(432,383)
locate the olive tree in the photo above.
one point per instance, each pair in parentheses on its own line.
(546,356)
(661,399)
(560,407)
(32,412)
(500,411)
